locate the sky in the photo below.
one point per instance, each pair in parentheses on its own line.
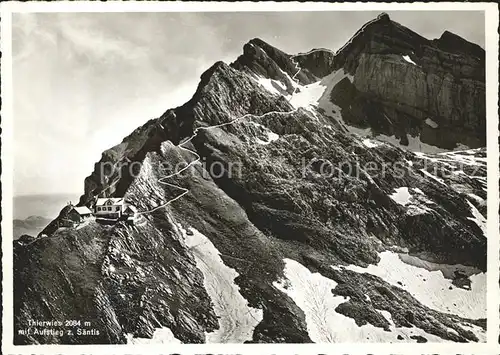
(83,81)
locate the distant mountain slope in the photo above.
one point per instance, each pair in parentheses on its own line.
(32,213)
(44,205)
(31,226)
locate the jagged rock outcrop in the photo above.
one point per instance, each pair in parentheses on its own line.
(119,280)
(249,199)
(267,61)
(31,225)
(318,61)
(403,79)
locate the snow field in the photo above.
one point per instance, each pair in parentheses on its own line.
(430,287)
(237,320)
(312,292)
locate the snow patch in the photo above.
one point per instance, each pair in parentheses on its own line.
(478,331)
(271,137)
(431,123)
(482,181)
(160,336)
(416,204)
(312,293)
(478,199)
(431,288)
(402,196)
(406,333)
(290,79)
(307,95)
(237,319)
(415,210)
(465,158)
(324,102)
(447,270)
(332,110)
(270,85)
(414,144)
(478,218)
(428,174)
(369,143)
(417,190)
(408,59)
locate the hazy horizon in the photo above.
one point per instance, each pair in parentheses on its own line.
(43,205)
(46,194)
(88,79)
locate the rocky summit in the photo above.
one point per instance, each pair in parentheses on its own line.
(318,197)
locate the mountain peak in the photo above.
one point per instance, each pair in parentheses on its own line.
(452,42)
(259,42)
(250,47)
(205,77)
(263,59)
(385,46)
(383,17)
(269,49)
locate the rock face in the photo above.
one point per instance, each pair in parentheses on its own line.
(402,79)
(255,194)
